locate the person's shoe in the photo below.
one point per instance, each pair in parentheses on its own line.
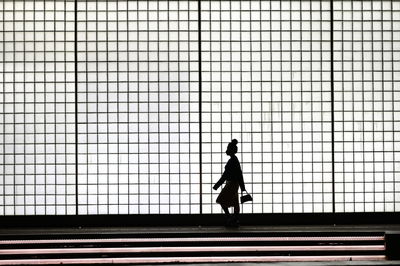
(235,223)
(229,220)
(232,222)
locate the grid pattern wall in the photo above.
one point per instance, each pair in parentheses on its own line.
(138,98)
(106,106)
(37,128)
(367,105)
(266,82)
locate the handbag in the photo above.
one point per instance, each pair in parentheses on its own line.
(245,198)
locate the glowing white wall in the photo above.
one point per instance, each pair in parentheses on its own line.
(37,108)
(265,80)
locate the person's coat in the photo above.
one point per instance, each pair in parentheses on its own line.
(232,172)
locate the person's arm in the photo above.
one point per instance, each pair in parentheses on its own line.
(224,176)
(220,181)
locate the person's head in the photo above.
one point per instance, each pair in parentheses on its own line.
(232,148)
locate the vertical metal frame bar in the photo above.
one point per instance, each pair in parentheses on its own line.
(76,109)
(3,203)
(200,104)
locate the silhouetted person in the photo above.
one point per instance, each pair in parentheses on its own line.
(234,179)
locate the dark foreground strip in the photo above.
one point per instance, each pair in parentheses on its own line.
(190,260)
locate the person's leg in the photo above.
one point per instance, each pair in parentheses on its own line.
(226,210)
(228,216)
(236,211)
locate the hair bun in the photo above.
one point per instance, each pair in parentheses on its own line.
(234,142)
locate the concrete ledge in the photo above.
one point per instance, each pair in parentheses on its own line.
(154,220)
